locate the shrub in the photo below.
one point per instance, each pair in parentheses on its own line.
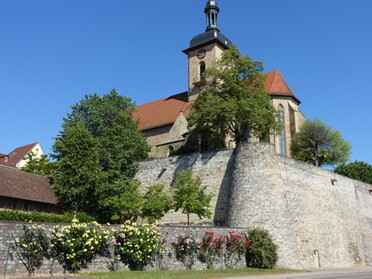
(42,217)
(211,248)
(32,247)
(136,244)
(76,245)
(186,249)
(262,251)
(236,245)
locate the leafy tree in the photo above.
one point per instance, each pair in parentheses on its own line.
(156,203)
(118,144)
(40,166)
(78,177)
(319,144)
(189,196)
(127,204)
(357,170)
(234,102)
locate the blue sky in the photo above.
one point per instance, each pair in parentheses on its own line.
(52,53)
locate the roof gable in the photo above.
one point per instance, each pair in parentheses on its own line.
(16,155)
(276,85)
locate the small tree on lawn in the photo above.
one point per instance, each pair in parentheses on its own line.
(156,203)
(319,144)
(189,196)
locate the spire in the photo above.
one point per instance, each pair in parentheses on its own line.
(212,10)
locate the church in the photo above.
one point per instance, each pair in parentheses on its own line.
(164,122)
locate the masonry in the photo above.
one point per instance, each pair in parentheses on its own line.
(316,217)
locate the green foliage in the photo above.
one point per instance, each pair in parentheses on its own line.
(234,102)
(136,244)
(40,166)
(211,248)
(262,251)
(78,178)
(156,203)
(236,245)
(76,245)
(127,205)
(15,215)
(189,196)
(186,249)
(32,247)
(357,170)
(319,144)
(110,143)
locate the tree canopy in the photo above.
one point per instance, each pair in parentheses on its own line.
(319,144)
(99,136)
(234,101)
(357,170)
(190,197)
(38,165)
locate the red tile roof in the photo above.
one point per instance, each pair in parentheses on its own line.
(16,155)
(26,186)
(161,112)
(165,111)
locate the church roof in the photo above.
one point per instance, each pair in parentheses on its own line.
(26,186)
(161,112)
(165,111)
(209,37)
(16,155)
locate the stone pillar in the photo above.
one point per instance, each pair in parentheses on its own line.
(258,199)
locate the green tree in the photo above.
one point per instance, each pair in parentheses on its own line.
(78,177)
(127,204)
(189,196)
(156,203)
(357,170)
(119,146)
(319,144)
(40,166)
(234,102)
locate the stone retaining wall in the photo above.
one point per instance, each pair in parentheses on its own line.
(11,265)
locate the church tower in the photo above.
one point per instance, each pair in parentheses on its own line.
(204,49)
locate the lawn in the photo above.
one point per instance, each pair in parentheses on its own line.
(188,274)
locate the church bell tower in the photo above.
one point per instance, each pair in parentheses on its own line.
(204,49)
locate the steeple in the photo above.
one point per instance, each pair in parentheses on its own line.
(212,10)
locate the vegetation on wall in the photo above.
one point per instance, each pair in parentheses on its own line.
(234,102)
(357,170)
(318,144)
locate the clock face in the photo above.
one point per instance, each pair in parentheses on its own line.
(202,53)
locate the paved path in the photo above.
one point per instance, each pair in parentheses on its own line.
(342,273)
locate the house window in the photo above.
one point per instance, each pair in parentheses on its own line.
(281,138)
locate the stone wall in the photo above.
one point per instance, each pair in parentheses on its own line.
(317,218)
(11,265)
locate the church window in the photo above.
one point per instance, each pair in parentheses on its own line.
(281,138)
(201,69)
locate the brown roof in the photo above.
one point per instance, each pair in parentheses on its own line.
(165,111)
(17,155)
(276,85)
(161,112)
(26,186)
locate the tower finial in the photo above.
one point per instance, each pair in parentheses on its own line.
(212,10)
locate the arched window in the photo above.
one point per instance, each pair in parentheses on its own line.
(281,138)
(201,69)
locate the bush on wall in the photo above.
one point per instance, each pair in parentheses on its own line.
(262,252)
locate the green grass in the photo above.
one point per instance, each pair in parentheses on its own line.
(188,274)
